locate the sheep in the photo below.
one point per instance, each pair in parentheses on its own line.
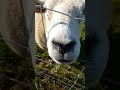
(17,24)
(62,33)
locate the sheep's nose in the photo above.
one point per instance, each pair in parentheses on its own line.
(63,48)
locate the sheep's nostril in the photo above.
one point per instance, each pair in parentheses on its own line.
(55,43)
(63,48)
(70,45)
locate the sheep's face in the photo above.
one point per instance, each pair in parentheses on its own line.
(63,34)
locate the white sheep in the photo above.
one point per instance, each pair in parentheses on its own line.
(62,33)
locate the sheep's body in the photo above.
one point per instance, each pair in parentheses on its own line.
(16,24)
(98,13)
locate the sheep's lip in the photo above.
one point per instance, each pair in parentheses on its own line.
(63,61)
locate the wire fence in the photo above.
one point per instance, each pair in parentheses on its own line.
(60,77)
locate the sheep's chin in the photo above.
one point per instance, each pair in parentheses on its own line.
(66,62)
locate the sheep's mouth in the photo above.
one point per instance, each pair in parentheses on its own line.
(63,61)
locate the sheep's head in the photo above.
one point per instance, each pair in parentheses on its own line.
(63,32)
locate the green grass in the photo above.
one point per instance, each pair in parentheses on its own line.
(14,67)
